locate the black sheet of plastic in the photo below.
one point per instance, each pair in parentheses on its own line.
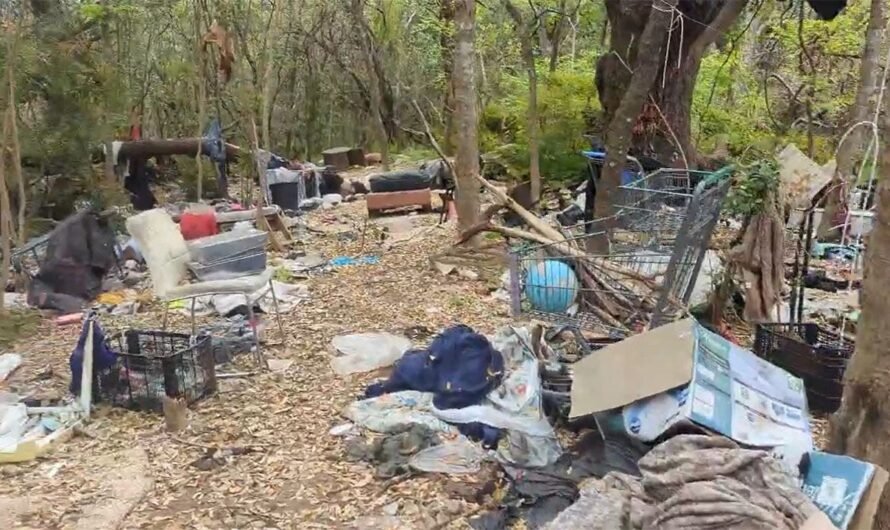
(399,181)
(538,495)
(827,9)
(79,253)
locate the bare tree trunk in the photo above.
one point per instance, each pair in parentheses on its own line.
(869,72)
(382,104)
(5,217)
(619,132)
(534,153)
(465,118)
(14,140)
(525,33)
(446,45)
(202,102)
(862,425)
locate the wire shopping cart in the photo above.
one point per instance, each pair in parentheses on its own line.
(655,242)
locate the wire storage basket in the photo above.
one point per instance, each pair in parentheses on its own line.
(154,364)
(619,274)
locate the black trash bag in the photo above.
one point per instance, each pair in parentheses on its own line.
(400,181)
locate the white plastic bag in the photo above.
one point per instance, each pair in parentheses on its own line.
(8,363)
(13,420)
(364,352)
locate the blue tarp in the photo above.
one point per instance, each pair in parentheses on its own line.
(627,176)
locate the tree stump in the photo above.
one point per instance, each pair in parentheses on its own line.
(338,157)
(356,156)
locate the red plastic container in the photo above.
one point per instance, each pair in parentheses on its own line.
(197,225)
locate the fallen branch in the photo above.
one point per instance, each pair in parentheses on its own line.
(531,219)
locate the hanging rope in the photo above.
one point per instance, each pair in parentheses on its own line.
(677,18)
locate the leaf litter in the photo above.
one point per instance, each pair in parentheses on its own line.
(264,439)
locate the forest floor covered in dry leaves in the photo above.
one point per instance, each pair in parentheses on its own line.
(298,476)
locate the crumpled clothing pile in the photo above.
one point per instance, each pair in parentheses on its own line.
(693,481)
(392,454)
(515,406)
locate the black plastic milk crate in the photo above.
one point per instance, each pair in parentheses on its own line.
(152,364)
(816,355)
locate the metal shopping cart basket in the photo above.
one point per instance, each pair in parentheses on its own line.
(656,242)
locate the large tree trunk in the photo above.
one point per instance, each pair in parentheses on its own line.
(464,80)
(667,138)
(619,132)
(861,427)
(869,72)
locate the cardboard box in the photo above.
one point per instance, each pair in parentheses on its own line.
(845,489)
(682,373)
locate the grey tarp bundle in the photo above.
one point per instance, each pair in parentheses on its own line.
(693,481)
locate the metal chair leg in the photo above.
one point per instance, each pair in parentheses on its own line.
(193,317)
(251,317)
(277,312)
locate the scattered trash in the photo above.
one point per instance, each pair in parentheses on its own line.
(111,298)
(302,264)
(229,338)
(15,300)
(801,177)
(365,352)
(279,366)
(345,261)
(680,373)
(13,425)
(693,481)
(217,458)
(8,363)
(515,406)
(392,412)
(461,379)
(845,489)
(456,457)
(390,454)
(344,429)
(331,200)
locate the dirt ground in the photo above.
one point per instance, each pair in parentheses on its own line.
(127,467)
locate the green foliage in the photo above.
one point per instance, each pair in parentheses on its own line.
(80,73)
(754,185)
(565,98)
(413,154)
